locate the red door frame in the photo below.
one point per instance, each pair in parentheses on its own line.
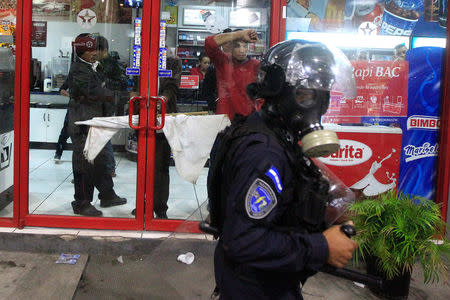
(14,220)
(26,219)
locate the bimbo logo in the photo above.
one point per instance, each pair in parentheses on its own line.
(423,122)
(417,152)
(351,153)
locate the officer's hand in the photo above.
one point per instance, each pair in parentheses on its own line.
(250,36)
(340,247)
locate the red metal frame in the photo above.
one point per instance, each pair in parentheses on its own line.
(443,172)
(154,17)
(14,220)
(25,218)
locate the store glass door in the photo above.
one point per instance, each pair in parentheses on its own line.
(194,114)
(86,63)
(8,21)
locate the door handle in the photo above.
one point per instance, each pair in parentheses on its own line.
(48,117)
(131,112)
(163,101)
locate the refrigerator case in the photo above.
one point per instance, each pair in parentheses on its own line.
(369,158)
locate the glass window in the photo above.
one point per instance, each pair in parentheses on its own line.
(85,55)
(397,49)
(209,53)
(7,70)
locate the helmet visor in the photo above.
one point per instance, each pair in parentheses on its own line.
(315,66)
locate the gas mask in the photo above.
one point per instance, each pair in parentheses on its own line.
(295,79)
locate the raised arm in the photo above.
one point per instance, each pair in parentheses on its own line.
(249,36)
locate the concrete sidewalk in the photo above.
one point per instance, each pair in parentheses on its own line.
(118,268)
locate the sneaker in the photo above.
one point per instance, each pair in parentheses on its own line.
(111,201)
(57,159)
(88,210)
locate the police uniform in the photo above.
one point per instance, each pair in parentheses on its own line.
(267,198)
(268,245)
(87,96)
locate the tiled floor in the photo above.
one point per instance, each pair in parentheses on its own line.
(51,190)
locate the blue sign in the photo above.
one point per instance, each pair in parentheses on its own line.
(165,73)
(136,56)
(133,71)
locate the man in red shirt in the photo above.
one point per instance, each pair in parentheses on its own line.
(234,71)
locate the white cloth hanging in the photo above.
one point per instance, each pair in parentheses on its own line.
(190,138)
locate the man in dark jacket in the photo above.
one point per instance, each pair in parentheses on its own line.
(87,97)
(168,87)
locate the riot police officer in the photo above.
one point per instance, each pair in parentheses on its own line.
(267,198)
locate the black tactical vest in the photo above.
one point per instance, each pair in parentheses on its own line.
(308,185)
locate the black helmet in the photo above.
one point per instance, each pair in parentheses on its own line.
(295,78)
(297,63)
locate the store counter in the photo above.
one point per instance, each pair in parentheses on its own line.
(48,100)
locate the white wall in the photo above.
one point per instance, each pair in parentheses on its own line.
(61,34)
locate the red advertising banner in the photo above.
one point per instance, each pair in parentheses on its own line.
(382,90)
(189,82)
(38,33)
(368,160)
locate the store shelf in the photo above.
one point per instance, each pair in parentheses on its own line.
(191,45)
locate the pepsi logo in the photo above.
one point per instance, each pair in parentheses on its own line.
(350,153)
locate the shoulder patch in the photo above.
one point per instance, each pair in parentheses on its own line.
(275,176)
(260,199)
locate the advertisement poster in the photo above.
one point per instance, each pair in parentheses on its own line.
(8,17)
(382,90)
(189,82)
(106,11)
(368,159)
(420,147)
(38,33)
(368,17)
(420,139)
(173,10)
(54,10)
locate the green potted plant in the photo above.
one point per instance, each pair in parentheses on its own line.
(395,231)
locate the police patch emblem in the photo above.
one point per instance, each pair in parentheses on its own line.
(260,199)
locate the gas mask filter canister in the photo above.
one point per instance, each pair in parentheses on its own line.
(320,143)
